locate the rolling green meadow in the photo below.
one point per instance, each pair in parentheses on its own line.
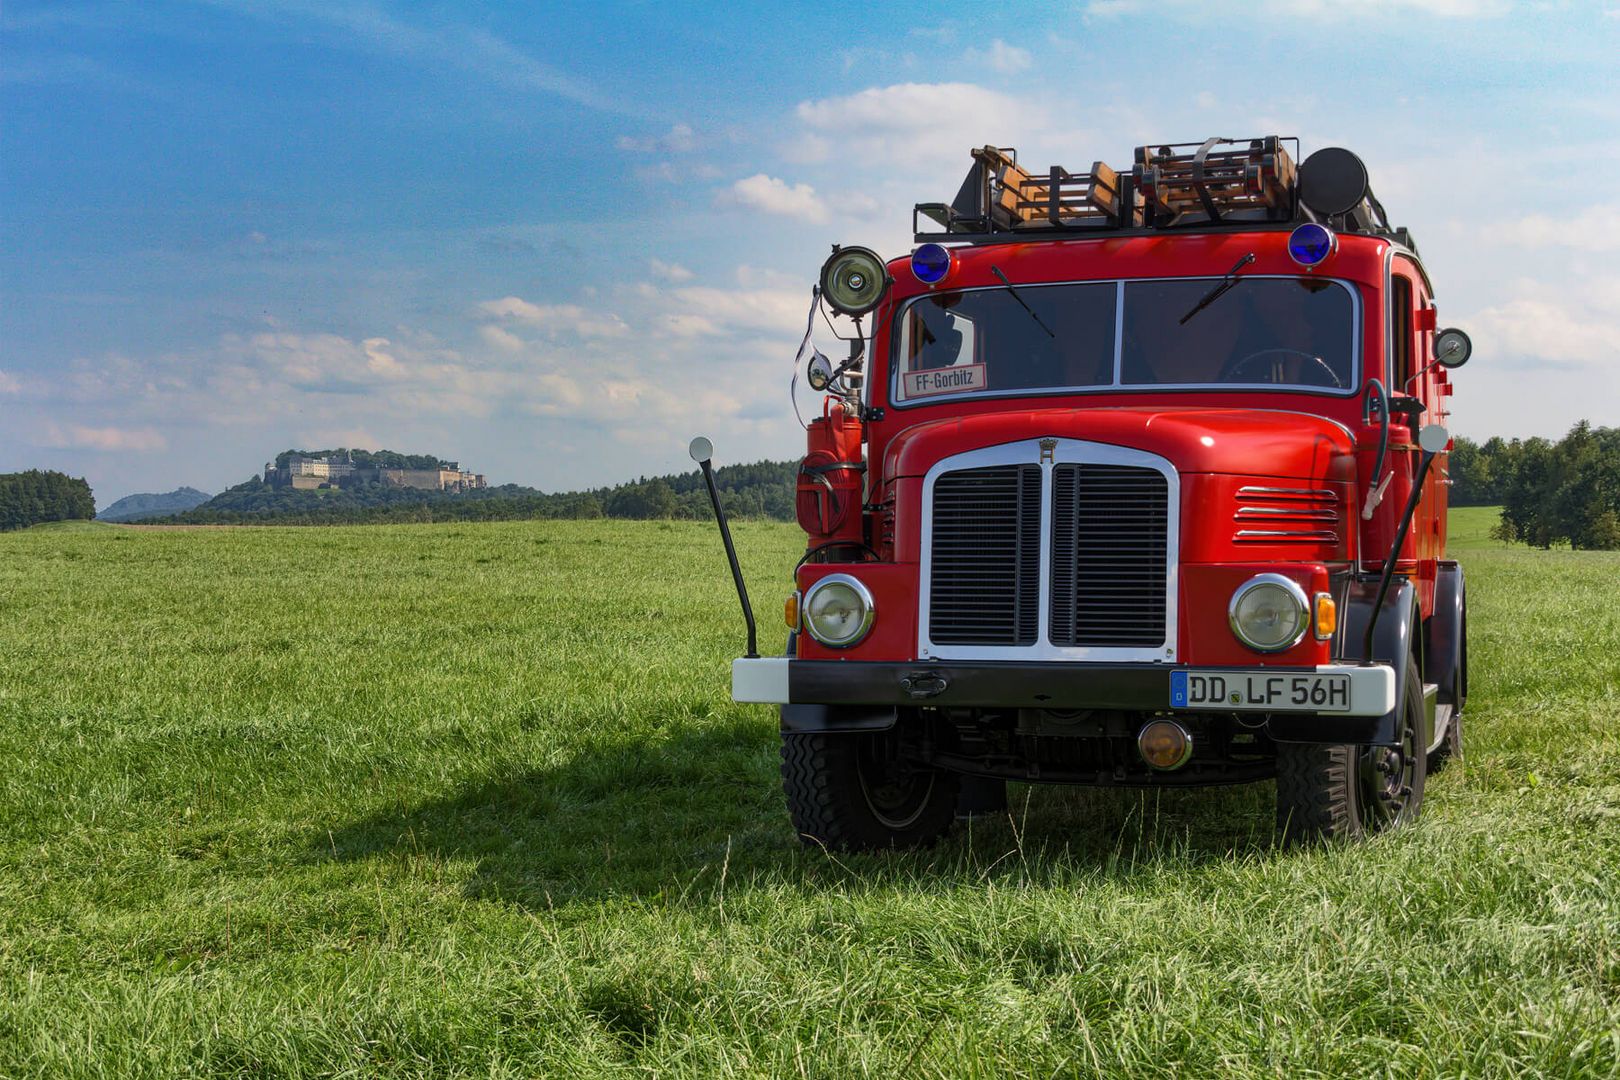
(472,800)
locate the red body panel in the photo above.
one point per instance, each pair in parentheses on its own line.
(1220,441)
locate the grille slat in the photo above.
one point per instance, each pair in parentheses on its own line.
(1110,531)
(984,583)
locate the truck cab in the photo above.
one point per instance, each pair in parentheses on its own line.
(1132,477)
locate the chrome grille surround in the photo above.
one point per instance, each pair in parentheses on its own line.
(1029,452)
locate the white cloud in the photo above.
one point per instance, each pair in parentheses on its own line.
(501,338)
(1000,56)
(680,139)
(1552,324)
(9,384)
(913,124)
(116,439)
(1598,229)
(672,272)
(557,317)
(1315,9)
(773,196)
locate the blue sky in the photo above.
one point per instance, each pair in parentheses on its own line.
(554,241)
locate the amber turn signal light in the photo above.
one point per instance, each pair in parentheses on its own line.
(790,611)
(1327,616)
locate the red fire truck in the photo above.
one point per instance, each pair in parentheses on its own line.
(1131,477)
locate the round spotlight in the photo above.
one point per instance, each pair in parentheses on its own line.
(931,263)
(837,611)
(854,280)
(1332,181)
(1269,613)
(1164,744)
(1311,243)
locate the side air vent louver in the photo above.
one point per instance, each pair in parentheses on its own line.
(985,578)
(1110,530)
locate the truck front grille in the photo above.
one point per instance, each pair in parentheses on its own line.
(985,575)
(1110,530)
(1068,552)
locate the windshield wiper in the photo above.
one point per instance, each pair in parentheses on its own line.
(996,270)
(1219,290)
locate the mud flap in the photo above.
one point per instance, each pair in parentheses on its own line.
(807,719)
(1392,641)
(1444,657)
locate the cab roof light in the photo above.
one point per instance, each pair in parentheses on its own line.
(932,263)
(1311,243)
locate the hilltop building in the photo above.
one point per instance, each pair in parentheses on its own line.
(301,472)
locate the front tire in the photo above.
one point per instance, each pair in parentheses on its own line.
(1328,791)
(857,792)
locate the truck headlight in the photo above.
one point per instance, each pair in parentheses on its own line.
(838,611)
(1269,613)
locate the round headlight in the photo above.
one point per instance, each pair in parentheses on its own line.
(838,611)
(854,280)
(1269,613)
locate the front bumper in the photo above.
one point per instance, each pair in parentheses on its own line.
(1009,685)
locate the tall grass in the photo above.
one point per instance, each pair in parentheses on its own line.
(473,800)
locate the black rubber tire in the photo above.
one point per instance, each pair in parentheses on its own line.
(830,793)
(1329,791)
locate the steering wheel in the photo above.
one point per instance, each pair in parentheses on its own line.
(1276,358)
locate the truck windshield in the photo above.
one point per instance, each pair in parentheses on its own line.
(1265,331)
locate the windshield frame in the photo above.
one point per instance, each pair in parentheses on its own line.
(1357,359)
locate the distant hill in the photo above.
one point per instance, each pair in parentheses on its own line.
(145,505)
(762,490)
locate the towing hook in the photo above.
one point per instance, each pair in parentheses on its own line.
(923,684)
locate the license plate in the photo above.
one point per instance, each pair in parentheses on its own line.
(1259,691)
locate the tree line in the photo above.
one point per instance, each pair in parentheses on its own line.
(1564,492)
(36,496)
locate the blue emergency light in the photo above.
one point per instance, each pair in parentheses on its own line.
(1311,244)
(931,263)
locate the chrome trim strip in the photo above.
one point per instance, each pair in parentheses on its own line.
(1068,452)
(1287,535)
(1309,493)
(1304,513)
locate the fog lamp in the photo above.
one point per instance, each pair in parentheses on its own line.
(854,280)
(1164,744)
(837,611)
(1311,243)
(1269,613)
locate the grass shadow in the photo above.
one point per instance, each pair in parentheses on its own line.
(652,821)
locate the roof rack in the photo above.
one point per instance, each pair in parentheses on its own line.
(1218,182)
(1182,178)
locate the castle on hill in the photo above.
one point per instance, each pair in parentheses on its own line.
(341,469)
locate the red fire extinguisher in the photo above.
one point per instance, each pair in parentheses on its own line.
(830,477)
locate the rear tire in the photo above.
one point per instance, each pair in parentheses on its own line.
(1328,791)
(855,792)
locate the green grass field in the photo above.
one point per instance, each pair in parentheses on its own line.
(472,800)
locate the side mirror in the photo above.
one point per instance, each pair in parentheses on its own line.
(1433,438)
(1452,348)
(701,449)
(819,373)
